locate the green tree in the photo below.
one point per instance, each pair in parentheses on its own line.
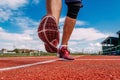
(16,50)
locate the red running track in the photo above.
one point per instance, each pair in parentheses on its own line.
(83,68)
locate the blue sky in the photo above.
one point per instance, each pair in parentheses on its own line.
(19,20)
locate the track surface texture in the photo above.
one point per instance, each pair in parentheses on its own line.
(53,68)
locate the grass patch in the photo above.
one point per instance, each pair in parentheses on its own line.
(26,54)
(37,54)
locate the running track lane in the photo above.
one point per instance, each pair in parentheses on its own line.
(83,68)
(17,61)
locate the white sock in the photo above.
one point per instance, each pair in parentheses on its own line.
(63,46)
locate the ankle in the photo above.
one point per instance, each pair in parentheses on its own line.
(63,46)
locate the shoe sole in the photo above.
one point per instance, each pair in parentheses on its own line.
(51,32)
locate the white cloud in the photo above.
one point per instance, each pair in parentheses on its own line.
(81,23)
(13,36)
(13,4)
(78,23)
(25,22)
(28,39)
(1,29)
(86,38)
(87,34)
(35,1)
(5,15)
(93,48)
(86,47)
(95,44)
(9,8)
(62,20)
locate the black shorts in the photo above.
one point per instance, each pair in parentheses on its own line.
(73,1)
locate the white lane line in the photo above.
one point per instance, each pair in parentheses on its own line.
(28,65)
(98,59)
(32,64)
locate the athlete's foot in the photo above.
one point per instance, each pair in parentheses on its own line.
(64,53)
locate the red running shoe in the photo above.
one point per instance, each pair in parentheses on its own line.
(64,53)
(48,32)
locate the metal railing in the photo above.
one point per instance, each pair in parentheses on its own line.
(112,50)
